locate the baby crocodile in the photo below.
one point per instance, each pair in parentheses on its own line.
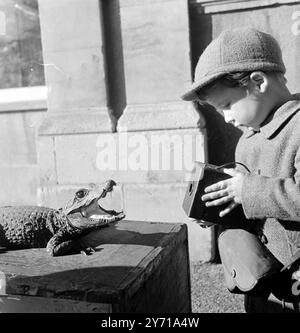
(23,227)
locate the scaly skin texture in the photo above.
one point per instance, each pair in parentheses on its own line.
(24,227)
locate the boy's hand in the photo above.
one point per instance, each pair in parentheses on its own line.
(226,191)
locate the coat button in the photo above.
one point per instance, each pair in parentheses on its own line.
(233,273)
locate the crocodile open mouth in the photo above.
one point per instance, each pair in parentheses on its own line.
(96,204)
(96,211)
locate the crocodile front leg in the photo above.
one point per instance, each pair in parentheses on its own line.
(62,243)
(65,241)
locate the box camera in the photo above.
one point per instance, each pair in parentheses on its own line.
(204,175)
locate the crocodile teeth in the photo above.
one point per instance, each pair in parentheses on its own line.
(110,219)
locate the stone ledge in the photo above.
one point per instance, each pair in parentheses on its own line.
(218,6)
(23,99)
(80,121)
(160,116)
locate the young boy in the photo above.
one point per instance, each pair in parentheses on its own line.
(242,73)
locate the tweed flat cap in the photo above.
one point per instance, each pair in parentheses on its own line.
(237,50)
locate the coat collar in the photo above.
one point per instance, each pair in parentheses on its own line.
(278,118)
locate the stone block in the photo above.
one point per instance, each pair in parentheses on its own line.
(75,79)
(78,122)
(17,137)
(46,160)
(18,185)
(76,159)
(56,196)
(80,29)
(171,115)
(159,156)
(133,157)
(156,50)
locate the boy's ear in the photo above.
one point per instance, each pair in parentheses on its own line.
(260,81)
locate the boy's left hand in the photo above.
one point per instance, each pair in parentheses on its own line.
(226,191)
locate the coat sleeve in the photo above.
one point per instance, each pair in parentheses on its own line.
(279,198)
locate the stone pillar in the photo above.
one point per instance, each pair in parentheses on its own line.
(157,70)
(74,67)
(73,46)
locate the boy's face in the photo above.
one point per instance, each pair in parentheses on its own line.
(242,106)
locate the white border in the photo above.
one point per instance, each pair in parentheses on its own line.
(23,99)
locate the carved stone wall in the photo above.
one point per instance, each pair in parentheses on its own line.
(115,74)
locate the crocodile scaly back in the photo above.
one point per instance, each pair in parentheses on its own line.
(28,226)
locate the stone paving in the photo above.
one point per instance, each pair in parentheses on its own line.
(209,294)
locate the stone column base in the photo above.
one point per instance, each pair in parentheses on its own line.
(78,121)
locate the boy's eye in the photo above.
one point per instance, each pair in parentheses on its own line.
(81,194)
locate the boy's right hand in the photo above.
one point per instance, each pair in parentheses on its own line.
(226,191)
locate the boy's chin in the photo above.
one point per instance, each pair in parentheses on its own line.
(237,125)
(254,129)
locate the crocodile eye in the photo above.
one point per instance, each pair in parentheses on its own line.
(81,194)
